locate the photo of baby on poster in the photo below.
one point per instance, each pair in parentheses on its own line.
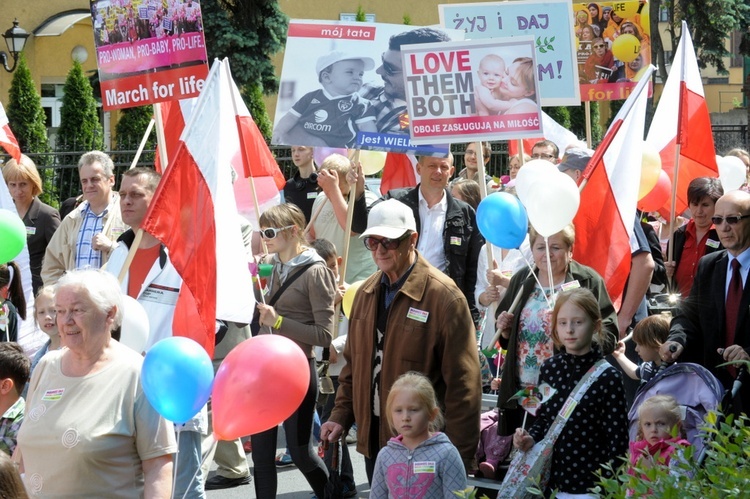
(472,90)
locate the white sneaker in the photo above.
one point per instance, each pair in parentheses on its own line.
(351,437)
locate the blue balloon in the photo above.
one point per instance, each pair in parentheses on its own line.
(177,378)
(502,220)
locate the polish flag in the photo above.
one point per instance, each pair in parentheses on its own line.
(7,139)
(194,212)
(553,131)
(400,170)
(267,177)
(609,193)
(682,118)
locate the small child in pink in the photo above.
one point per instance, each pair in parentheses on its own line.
(658,416)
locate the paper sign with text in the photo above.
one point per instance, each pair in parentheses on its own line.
(472,90)
(148,51)
(548,22)
(614,47)
(342,85)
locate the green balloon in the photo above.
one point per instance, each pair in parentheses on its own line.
(12,235)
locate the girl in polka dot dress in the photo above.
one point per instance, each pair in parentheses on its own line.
(597,431)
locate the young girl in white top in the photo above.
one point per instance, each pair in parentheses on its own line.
(420,463)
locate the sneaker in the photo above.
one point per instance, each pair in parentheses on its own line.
(351,437)
(348,491)
(284,461)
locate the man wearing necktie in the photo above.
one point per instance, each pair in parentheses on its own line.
(712,326)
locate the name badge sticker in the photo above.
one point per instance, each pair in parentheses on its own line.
(417,315)
(156,293)
(455,241)
(424,467)
(570,285)
(312,195)
(30,231)
(55,394)
(712,244)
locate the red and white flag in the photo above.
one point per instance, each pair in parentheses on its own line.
(553,131)
(194,213)
(606,216)
(7,139)
(400,170)
(682,118)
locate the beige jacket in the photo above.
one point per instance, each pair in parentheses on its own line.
(61,250)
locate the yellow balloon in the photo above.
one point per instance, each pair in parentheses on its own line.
(348,301)
(626,48)
(650,170)
(627,10)
(372,161)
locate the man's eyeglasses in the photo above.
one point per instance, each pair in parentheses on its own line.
(389,68)
(731,220)
(371,243)
(541,155)
(272,232)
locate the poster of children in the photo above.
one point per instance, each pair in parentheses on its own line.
(614,49)
(472,90)
(548,22)
(342,85)
(148,51)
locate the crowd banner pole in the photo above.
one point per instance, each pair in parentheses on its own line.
(673,207)
(131,255)
(161,141)
(587,112)
(521,152)
(143,143)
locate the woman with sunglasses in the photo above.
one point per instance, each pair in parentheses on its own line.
(302,288)
(698,237)
(601,57)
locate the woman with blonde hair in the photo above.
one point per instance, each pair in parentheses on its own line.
(41,220)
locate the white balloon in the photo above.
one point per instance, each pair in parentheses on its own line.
(553,203)
(732,173)
(529,173)
(135,328)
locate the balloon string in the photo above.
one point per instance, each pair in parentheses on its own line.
(531,268)
(549,276)
(178,430)
(210,453)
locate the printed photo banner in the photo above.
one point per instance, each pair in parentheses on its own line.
(472,90)
(148,51)
(613,48)
(342,86)
(548,22)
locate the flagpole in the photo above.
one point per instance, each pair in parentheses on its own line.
(161,141)
(131,255)
(143,143)
(483,193)
(678,147)
(587,111)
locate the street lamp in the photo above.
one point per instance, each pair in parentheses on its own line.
(15,38)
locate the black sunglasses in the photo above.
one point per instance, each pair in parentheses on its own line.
(731,220)
(389,68)
(371,243)
(272,232)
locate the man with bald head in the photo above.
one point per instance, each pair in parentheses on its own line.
(713,324)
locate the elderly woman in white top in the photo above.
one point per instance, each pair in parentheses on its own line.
(89,430)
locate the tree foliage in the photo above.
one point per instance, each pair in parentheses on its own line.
(709,21)
(80,129)
(25,113)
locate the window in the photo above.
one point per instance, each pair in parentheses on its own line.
(351,17)
(52,94)
(663,14)
(736,59)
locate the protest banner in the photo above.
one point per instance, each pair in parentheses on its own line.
(549,22)
(472,90)
(613,48)
(342,85)
(148,51)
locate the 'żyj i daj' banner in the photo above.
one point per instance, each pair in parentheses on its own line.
(472,90)
(614,47)
(342,85)
(548,22)
(148,51)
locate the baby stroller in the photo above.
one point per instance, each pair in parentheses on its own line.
(696,390)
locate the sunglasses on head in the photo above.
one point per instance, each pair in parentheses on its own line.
(371,243)
(272,232)
(731,220)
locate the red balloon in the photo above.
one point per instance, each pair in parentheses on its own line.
(258,385)
(658,196)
